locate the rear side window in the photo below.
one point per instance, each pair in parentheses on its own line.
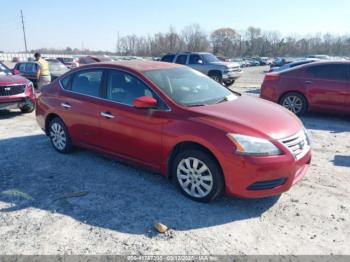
(22,67)
(168,58)
(330,72)
(181,59)
(87,82)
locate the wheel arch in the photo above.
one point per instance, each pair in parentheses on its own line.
(293,91)
(48,119)
(185,145)
(214,71)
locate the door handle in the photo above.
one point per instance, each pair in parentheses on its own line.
(107,115)
(66,105)
(308,82)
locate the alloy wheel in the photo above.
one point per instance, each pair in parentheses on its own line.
(58,136)
(293,103)
(194,177)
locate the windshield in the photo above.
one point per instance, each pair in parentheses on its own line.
(189,87)
(210,58)
(4,70)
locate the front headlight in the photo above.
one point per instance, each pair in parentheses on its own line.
(253,146)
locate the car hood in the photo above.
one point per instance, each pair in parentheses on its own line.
(12,80)
(249,115)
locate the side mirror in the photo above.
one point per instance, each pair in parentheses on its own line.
(145,102)
(200,62)
(16,72)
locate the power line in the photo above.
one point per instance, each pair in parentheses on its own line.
(24,32)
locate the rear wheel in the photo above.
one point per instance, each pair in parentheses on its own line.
(198,175)
(294,102)
(59,136)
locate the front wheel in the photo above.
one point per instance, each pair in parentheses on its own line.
(229,82)
(59,136)
(27,107)
(198,175)
(216,77)
(294,102)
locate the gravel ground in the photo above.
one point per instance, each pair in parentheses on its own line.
(84,203)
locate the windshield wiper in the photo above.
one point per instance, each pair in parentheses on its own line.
(193,105)
(226,98)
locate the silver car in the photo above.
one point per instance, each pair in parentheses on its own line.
(222,72)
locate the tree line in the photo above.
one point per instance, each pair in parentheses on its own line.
(226,42)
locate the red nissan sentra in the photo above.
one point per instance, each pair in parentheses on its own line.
(179,122)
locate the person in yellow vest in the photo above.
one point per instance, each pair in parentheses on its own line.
(43,75)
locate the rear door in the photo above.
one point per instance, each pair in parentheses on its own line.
(79,105)
(347,93)
(326,85)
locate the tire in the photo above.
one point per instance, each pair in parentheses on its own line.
(216,76)
(229,82)
(295,102)
(27,107)
(202,182)
(59,136)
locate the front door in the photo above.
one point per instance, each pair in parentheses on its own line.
(127,131)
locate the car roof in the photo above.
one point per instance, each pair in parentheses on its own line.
(136,65)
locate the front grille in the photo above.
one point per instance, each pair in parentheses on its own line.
(11,90)
(298,144)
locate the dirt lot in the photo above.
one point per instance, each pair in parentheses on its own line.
(117,204)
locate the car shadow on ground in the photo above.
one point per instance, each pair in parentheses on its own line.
(326,122)
(106,193)
(7,114)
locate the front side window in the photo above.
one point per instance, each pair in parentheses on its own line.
(330,72)
(181,59)
(87,82)
(189,87)
(195,60)
(125,88)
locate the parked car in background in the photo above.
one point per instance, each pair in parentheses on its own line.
(321,57)
(56,68)
(15,91)
(178,122)
(318,86)
(27,70)
(224,59)
(67,61)
(252,62)
(293,64)
(207,63)
(242,63)
(86,60)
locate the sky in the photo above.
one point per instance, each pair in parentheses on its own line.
(94,24)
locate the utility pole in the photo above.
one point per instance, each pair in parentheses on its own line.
(24,32)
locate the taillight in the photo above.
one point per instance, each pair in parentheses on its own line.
(271,77)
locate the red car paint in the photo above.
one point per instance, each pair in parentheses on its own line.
(322,94)
(9,97)
(147,137)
